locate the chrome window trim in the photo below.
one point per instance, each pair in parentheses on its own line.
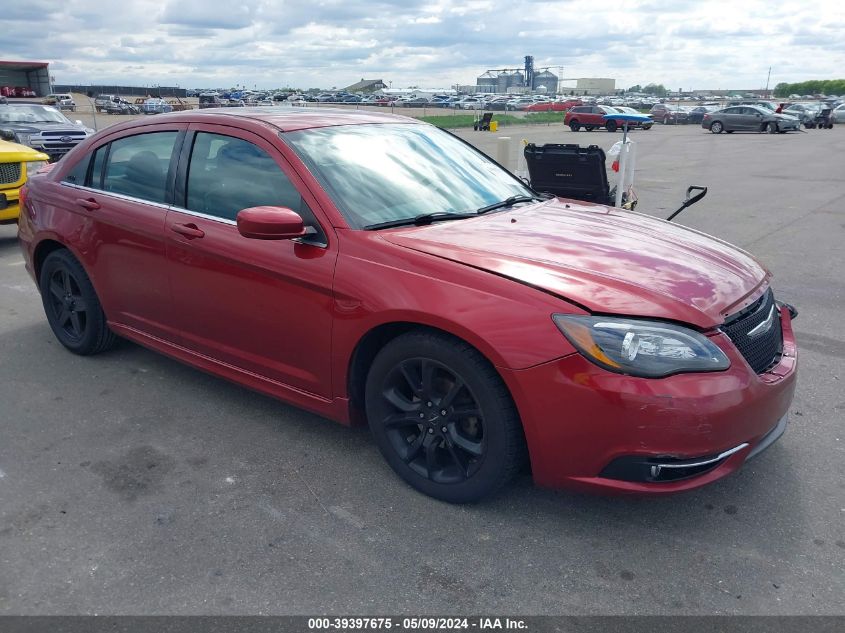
(204,216)
(119,196)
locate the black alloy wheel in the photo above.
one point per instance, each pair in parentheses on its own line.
(71,305)
(442,417)
(611,126)
(574,126)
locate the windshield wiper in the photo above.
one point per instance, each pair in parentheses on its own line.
(420,220)
(508,202)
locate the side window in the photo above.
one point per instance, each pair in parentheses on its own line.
(227,174)
(137,165)
(76,176)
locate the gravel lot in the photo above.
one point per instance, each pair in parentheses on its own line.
(132,484)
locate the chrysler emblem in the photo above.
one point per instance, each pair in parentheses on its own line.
(765,326)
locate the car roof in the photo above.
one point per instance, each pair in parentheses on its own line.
(285,118)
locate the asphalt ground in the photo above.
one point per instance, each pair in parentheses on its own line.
(132,484)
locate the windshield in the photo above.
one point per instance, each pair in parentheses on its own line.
(30,114)
(385,173)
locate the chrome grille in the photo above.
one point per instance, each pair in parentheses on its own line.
(9,173)
(759,342)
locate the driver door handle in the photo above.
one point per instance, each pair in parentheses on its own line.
(188,230)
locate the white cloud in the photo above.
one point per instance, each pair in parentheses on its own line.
(312,43)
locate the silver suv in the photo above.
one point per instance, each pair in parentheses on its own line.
(61,100)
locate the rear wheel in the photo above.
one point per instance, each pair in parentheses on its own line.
(72,307)
(716,127)
(574,126)
(443,418)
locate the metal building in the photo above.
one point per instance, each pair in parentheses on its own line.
(545,81)
(595,86)
(32,75)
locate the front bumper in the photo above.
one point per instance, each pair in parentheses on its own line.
(9,209)
(579,419)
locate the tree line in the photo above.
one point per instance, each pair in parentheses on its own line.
(811,87)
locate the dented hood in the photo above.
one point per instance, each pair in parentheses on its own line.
(606,259)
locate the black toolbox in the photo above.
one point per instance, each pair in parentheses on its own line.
(569,171)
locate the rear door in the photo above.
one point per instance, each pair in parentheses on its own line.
(123,190)
(262,306)
(732,118)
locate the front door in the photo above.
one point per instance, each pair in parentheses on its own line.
(262,306)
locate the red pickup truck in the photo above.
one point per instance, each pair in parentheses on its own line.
(590,118)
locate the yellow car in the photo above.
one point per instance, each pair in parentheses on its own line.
(16,161)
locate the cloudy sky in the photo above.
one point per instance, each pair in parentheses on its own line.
(323,43)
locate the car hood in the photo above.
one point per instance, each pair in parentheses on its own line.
(605,259)
(35,128)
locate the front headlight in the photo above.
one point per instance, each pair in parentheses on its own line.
(33,166)
(650,349)
(21,138)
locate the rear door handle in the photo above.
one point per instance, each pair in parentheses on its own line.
(188,230)
(88,203)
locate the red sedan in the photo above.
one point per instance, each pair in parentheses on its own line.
(377,270)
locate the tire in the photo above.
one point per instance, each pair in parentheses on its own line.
(460,457)
(610,126)
(65,287)
(771,127)
(589,128)
(716,127)
(574,126)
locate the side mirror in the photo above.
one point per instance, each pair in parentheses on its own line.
(270,223)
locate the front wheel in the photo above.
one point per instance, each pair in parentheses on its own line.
(716,127)
(442,417)
(574,126)
(611,126)
(772,128)
(72,307)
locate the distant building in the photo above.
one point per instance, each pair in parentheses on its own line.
(32,75)
(545,82)
(366,85)
(595,86)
